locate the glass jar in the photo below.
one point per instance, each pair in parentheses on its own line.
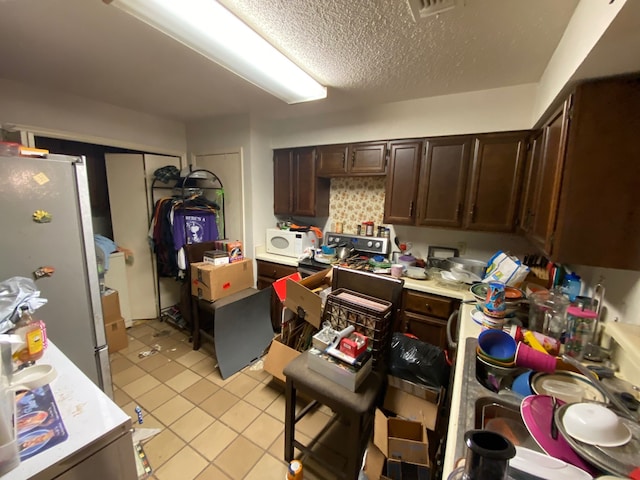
(581,327)
(548,313)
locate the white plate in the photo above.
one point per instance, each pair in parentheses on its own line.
(583,416)
(545,467)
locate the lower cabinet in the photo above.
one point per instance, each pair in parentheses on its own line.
(425,316)
(269,272)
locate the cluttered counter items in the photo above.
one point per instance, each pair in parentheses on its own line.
(94,425)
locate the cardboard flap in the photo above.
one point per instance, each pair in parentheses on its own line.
(280,285)
(279,357)
(381,432)
(411,407)
(300,296)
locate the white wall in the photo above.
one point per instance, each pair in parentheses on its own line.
(482,111)
(85,120)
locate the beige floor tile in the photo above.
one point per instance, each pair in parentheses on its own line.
(241,385)
(258,374)
(191,358)
(153,362)
(240,416)
(141,331)
(119,363)
(154,323)
(183,380)
(200,391)
(218,403)
(277,407)
(239,458)
(178,350)
(216,378)
(205,366)
(169,371)
(268,468)
(263,430)
(156,397)
(213,440)
(184,465)
(173,410)
(212,473)
(127,376)
(262,396)
(121,398)
(133,346)
(192,423)
(140,386)
(312,423)
(162,447)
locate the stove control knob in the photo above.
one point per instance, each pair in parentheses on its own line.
(377,245)
(369,243)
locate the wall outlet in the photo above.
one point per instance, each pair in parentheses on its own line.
(462,247)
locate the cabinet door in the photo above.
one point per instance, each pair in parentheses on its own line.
(332,160)
(496,178)
(282,182)
(530,183)
(549,179)
(428,329)
(402,182)
(443,181)
(368,158)
(304,182)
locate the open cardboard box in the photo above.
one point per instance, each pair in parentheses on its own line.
(300,298)
(401,439)
(413,402)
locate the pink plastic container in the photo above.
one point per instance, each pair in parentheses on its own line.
(528,357)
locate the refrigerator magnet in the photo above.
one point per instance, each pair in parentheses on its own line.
(41,216)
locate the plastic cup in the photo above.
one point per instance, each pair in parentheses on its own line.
(528,357)
(396,270)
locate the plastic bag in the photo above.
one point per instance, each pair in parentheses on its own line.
(15,292)
(417,361)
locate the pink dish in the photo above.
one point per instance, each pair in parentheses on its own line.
(536,411)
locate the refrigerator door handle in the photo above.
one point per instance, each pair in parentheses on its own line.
(104,369)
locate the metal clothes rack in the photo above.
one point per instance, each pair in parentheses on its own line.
(203,182)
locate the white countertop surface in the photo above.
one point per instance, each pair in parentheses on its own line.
(87,412)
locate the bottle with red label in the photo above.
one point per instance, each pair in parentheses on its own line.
(33,335)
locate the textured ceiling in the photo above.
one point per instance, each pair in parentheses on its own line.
(364,51)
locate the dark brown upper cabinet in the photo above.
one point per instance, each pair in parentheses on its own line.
(402,182)
(532,164)
(593,207)
(357,159)
(443,181)
(494,188)
(297,189)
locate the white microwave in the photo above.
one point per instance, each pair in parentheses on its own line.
(289,243)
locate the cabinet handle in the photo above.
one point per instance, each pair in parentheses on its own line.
(274,274)
(353,159)
(427,307)
(458,209)
(344,161)
(450,340)
(472,213)
(411,209)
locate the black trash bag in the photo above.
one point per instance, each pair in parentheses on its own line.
(418,361)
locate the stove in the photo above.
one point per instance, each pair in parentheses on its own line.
(365,248)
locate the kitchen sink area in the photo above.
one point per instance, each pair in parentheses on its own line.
(480,408)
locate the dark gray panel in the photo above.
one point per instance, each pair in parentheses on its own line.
(242,331)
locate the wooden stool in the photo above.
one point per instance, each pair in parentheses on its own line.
(357,408)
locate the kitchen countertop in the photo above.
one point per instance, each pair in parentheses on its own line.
(88,415)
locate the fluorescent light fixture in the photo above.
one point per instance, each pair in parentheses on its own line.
(211,30)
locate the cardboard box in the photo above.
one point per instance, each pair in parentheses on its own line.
(411,407)
(430,394)
(110,306)
(399,470)
(279,357)
(337,371)
(116,334)
(375,465)
(302,295)
(213,282)
(401,439)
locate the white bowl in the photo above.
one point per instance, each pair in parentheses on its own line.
(595,425)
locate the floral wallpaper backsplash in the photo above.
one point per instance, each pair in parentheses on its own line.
(354,200)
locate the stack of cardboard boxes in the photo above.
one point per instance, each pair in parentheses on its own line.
(399,448)
(114,326)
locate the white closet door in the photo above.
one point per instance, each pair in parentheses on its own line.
(130,217)
(228,168)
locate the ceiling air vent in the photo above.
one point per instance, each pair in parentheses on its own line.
(426,8)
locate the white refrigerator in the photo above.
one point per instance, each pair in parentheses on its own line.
(73,313)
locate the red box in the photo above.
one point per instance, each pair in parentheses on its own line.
(354,344)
